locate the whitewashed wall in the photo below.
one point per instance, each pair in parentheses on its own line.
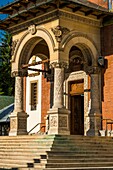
(34,115)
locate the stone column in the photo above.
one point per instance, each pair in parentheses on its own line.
(95,113)
(18,119)
(58,115)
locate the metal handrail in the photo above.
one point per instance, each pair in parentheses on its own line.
(36,126)
(110,122)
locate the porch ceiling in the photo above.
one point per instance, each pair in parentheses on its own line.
(22,10)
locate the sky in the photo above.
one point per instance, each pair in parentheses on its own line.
(2,3)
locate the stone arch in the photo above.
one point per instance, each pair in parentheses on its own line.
(83,42)
(26,45)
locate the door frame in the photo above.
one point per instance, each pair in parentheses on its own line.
(78,75)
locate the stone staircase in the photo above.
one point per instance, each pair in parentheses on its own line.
(56,152)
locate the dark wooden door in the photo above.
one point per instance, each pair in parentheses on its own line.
(77,115)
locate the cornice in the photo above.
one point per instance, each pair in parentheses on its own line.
(80,18)
(56,14)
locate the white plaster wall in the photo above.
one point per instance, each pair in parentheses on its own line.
(34,115)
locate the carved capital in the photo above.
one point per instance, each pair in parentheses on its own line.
(20,73)
(59,32)
(92,70)
(32,29)
(59,65)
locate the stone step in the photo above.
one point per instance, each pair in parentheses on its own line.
(86,168)
(78,160)
(79,155)
(83,164)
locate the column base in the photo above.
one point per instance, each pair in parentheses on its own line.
(18,123)
(95,124)
(59,121)
(92,132)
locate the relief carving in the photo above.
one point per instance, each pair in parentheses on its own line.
(53,121)
(13,124)
(91,70)
(59,32)
(59,65)
(14,44)
(63,121)
(32,29)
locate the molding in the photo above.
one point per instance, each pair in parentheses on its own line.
(34,36)
(55,14)
(80,18)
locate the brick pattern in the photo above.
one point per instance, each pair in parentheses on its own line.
(107,103)
(103,3)
(107,40)
(45,99)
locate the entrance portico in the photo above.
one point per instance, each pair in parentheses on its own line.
(70,40)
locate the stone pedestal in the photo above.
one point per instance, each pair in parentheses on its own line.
(59,121)
(18,119)
(18,124)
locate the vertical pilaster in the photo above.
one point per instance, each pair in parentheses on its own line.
(18,119)
(95,114)
(58,115)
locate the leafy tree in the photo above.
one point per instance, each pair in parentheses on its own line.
(6,81)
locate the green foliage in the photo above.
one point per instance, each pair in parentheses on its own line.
(6,101)
(6,81)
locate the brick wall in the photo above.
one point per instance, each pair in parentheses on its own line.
(107,40)
(107,103)
(45,98)
(103,3)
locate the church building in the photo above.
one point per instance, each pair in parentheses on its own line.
(62,58)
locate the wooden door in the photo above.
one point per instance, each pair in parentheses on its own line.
(77,109)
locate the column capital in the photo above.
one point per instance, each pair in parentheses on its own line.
(59,64)
(92,69)
(19,73)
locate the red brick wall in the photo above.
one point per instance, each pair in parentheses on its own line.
(107,104)
(102,3)
(45,98)
(107,40)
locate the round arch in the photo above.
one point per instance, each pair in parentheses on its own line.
(26,45)
(83,42)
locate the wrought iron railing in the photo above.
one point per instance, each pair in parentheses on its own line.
(37,126)
(108,122)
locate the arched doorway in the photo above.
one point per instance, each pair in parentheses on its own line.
(29,50)
(78,89)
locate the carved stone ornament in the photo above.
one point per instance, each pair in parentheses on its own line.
(59,65)
(20,73)
(53,121)
(14,44)
(32,29)
(59,32)
(92,70)
(63,121)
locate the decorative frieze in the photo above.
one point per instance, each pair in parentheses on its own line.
(78,18)
(53,15)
